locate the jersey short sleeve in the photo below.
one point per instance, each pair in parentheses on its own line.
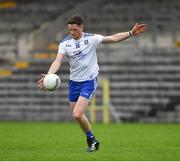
(61,49)
(99,38)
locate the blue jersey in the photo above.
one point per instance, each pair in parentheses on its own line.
(82,56)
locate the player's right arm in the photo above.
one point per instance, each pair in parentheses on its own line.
(53,69)
(56,64)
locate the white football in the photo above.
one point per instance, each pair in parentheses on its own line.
(51,82)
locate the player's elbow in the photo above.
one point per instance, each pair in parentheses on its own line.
(56,63)
(109,39)
(114,39)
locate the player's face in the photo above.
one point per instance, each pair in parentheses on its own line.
(75,30)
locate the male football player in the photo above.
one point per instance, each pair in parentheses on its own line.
(80,48)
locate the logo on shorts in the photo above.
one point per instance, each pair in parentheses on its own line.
(86,94)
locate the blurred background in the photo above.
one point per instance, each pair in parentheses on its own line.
(139,78)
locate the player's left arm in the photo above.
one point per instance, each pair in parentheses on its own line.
(136,30)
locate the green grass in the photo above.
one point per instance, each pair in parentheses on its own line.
(65,141)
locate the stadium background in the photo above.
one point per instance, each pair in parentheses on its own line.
(142,72)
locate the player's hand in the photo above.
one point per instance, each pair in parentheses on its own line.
(40,81)
(138,28)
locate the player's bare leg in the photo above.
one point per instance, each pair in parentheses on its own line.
(79,115)
(83,122)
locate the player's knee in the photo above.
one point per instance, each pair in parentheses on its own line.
(76,116)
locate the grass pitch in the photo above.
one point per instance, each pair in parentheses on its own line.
(65,141)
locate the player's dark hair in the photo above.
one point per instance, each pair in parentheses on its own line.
(77,19)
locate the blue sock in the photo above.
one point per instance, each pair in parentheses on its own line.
(89,134)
